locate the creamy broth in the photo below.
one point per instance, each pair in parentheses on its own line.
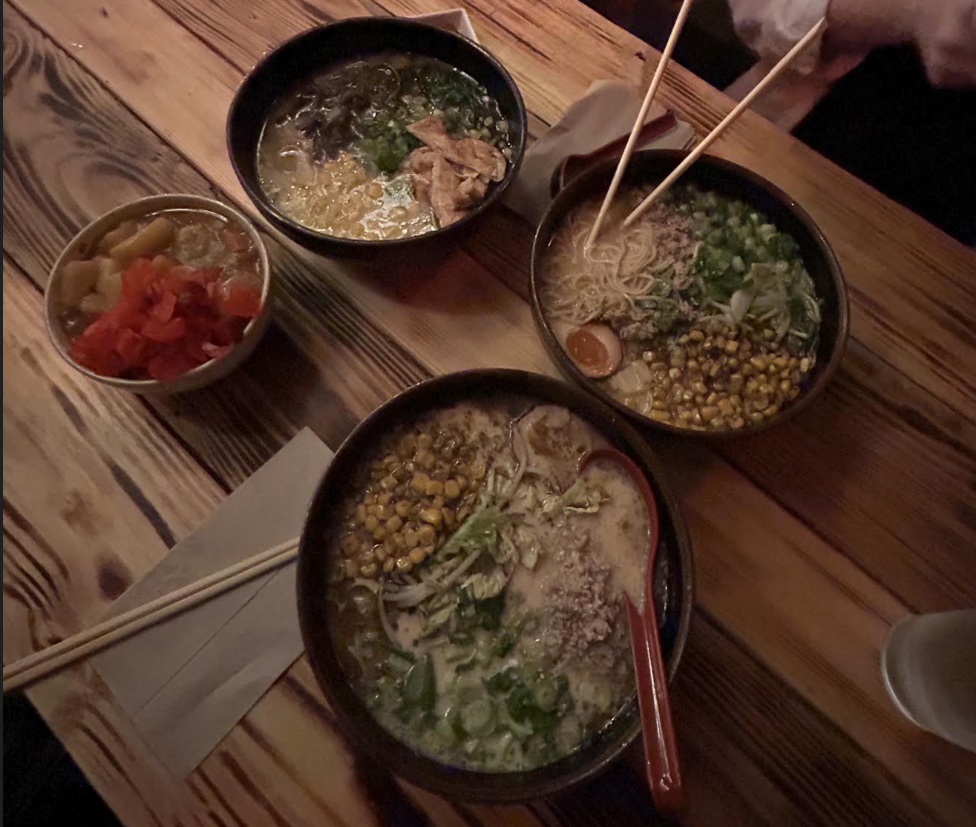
(619,531)
(701,314)
(478,585)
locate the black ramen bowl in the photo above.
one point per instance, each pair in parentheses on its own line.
(673,587)
(734,181)
(317,49)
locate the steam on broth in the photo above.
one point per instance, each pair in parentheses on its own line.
(477,583)
(701,314)
(390,146)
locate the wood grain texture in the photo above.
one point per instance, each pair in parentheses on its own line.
(90,555)
(897,265)
(61,170)
(422,314)
(246,767)
(875,419)
(803,768)
(420,307)
(862,467)
(887,253)
(816,620)
(90,482)
(799,660)
(871,452)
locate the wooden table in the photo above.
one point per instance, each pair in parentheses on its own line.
(810,541)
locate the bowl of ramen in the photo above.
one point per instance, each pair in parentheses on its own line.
(376,138)
(162,295)
(720,312)
(460,584)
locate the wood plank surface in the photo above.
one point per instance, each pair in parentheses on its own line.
(872,424)
(403,310)
(898,267)
(89,505)
(781,713)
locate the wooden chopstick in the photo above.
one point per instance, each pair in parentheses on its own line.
(727,121)
(639,123)
(62,654)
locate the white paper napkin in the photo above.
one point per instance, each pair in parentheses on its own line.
(188,681)
(454,20)
(603,114)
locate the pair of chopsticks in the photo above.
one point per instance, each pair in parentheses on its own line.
(41,664)
(706,142)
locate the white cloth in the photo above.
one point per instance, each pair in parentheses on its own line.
(944,31)
(603,114)
(772,28)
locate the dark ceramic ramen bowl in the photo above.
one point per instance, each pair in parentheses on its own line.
(320,48)
(673,587)
(734,181)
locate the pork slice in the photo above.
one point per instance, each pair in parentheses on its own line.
(432,132)
(420,165)
(471,189)
(444,193)
(482,157)
(421,189)
(420,161)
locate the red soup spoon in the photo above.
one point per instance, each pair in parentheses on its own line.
(660,744)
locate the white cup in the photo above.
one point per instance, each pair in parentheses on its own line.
(928,665)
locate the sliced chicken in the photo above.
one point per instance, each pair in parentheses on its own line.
(444,193)
(471,190)
(449,189)
(420,162)
(482,157)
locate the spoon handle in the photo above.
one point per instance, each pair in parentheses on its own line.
(660,744)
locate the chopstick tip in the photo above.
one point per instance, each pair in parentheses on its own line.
(591,239)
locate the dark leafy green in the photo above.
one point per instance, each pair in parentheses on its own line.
(504,643)
(504,680)
(741,250)
(474,614)
(387,644)
(367,106)
(464,102)
(539,701)
(419,688)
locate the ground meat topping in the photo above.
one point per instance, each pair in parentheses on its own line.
(581,607)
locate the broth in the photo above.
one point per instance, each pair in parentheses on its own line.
(701,314)
(477,580)
(390,146)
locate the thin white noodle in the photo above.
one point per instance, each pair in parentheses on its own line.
(372,585)
(414,595)
(411,595)
(384,620)
(454,575)
(583,283)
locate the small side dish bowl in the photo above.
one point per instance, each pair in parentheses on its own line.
(320,48)
(732,181)
(84,244)
(673,586)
